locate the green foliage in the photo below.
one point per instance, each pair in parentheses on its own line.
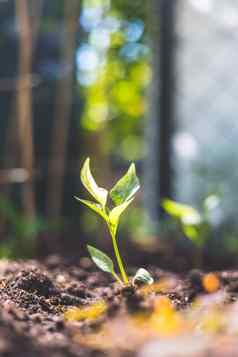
(194,224)
(188,217)
(115,89)
(185,213)
(20,242)
(122,194)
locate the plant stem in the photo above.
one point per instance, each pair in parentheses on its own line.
(119,260)
(116,277)
(112,229)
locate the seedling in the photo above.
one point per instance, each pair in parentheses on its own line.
(121,195)
(196,225)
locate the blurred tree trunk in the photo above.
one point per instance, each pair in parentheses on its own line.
(11,157)
(63,110)
(160,116)
(24,104)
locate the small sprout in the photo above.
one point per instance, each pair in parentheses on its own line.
(143,277)
(195,225)
(187,216)
(186,213)
(211,282)
(91,312)
(122,194)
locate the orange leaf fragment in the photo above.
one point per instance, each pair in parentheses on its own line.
(91,312)
(165,320)
(211,282)
(163,286)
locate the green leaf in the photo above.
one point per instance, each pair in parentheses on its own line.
(115,214)
(126,187)
(101,260)
(94,206)
(99,193)
(143,276)
(186,213)
(192,232)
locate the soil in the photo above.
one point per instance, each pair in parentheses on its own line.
(190,314)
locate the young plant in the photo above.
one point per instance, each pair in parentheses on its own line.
(196,225)
(121,195)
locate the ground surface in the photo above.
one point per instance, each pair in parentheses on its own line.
(59,309)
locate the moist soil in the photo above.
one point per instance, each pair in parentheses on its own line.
(35,297)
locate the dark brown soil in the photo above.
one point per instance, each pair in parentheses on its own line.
(35,296)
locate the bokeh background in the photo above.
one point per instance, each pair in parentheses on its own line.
(154,82)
